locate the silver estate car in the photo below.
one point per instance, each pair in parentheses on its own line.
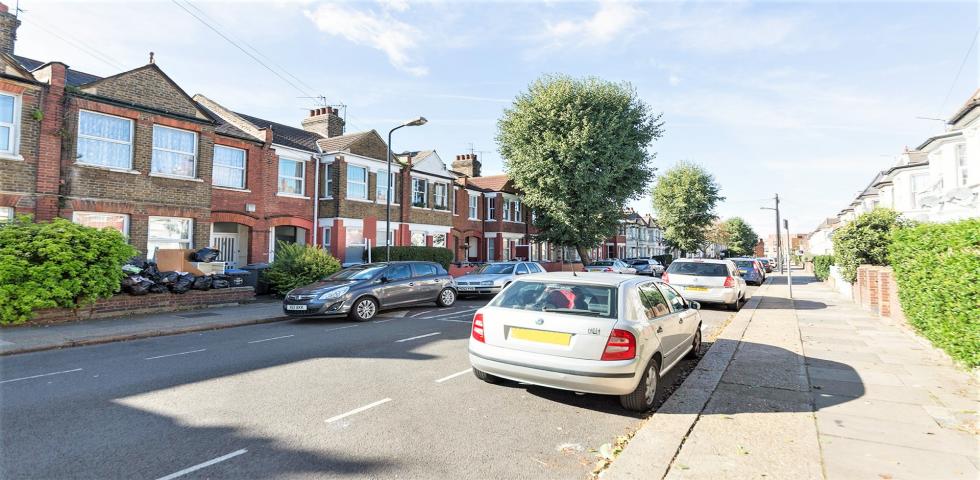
(491,278)
(587,332)
(707,280)
(362,290)
(614,265)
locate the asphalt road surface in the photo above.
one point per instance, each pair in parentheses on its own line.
(391,398)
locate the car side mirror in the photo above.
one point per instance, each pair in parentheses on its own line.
(384,279)
(693,304)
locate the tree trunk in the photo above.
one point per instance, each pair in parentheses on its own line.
(584,254)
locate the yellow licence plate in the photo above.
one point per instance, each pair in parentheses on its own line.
(696,289)
(541,336)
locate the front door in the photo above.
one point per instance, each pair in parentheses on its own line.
(227,246)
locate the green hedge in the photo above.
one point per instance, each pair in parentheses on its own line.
(821,266)
(937,267)
(442,256)
(865,241)
(296,265)
(57,264)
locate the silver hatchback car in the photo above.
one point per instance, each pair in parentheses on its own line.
(599,333)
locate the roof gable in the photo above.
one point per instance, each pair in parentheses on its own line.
(147,86)
(366,144)
(13,68)
(429,162)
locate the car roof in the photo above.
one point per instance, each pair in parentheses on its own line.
(742,258)
(595,278)
(700,260)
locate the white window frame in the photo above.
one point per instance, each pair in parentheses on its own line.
(6,214)
(444,242)
(243,168)
(517,211)
(13,126)
(279,176)
(132,135)
(325,241)
(193,152)
(190,233)
(365,182)
(75,219)
(425,192)
(327,192)
(380,194)
(962,174)
(507,209)
(491,209)
(913,192)
(474,207)
(455,201)
(436,196)
(490,249)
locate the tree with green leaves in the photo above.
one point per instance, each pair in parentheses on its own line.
(865,240)
(684,198)
(741,237)
(577,149)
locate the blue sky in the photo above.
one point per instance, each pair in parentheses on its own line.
(805,99)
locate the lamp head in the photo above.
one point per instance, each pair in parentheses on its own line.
(416,122)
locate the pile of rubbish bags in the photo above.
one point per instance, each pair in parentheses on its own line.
(143,277)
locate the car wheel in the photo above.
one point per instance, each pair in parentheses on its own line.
(641,399)
(734,306)
(364,309)
(486,377)
(695,345)
(447,297)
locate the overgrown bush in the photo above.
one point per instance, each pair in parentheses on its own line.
(821,266)
(297,265)
(442,256)
(937,267)
(865,241)
(57,264)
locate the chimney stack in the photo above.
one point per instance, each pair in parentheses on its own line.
(325,121)
(8,29)
(467,164)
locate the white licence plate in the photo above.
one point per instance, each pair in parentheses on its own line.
(466,289)
(295,307)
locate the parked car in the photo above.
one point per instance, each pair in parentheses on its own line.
(766,264)
(647,266)
(752,271)
(706,280)
(363,290)
(614,265)
(492,277)
(587,332)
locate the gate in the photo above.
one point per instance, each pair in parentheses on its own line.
(227,245)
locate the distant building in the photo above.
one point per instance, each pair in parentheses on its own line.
(760,249)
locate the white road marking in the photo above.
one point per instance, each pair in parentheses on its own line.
(339,328)
(423,312)
(357,410)
(203,465)
(451,320)
(39,376)
(273,338)
(382,321)
(448,377)
(453,314)
(174,354)
(418,337)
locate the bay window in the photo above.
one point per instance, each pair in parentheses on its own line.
(104,140)
(357,182)
(292,176)
(229,167)
(115,221)
(168,232)
(174,152)
(418,238)
(420,193)
(439,240)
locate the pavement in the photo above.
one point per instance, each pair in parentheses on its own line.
(813,387)
(301,398)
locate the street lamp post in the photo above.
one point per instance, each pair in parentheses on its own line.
(412,123)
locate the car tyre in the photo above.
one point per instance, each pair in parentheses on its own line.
(695,345)
(734,307)
(486,377)
(446,298)
(364,309)
(643,397)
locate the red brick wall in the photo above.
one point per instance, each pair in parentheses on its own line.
(123,304)
(877,291)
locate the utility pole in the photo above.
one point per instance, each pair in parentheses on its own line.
(789,255)
(779,245)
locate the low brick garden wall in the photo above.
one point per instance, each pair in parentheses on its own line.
(124,304)
(876,290)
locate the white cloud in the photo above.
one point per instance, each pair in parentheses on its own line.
(612,20)
(396,5)
(398,40)
(673,80)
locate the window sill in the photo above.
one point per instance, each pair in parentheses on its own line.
(291,195)
(11,157)
(421,208)
(362,200)
(232,189)
(175,177)
(108,169)
(473,219)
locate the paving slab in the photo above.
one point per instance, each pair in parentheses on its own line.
(847,459)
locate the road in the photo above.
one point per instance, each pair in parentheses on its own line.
(302,399)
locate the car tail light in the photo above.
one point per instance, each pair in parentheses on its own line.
(478,328)
(607,269)
(665,278)
(729,282)
(620,346)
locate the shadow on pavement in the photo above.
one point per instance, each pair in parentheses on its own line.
(798,305)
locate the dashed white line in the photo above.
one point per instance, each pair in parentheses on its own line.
(357,410)
(174,354)
(451,320)
(203,465)
(39,376)
(418,337)
(273,338)
(449,377)
(340,328)
(453,314)
(383,321)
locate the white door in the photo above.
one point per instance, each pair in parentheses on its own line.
(227,245)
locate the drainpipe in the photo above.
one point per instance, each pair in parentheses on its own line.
(316,195)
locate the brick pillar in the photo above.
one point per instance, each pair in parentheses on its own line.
(371,231)
(404,235)
(498,248)
(49,151)
(338,240)
(428,240)
(258,245)
(884,292)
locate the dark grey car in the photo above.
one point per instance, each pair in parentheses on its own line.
(362,290)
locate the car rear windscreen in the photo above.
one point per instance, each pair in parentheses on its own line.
(699,269)
(744,264)
(559,297)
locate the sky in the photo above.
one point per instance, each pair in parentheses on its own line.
(805,99)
